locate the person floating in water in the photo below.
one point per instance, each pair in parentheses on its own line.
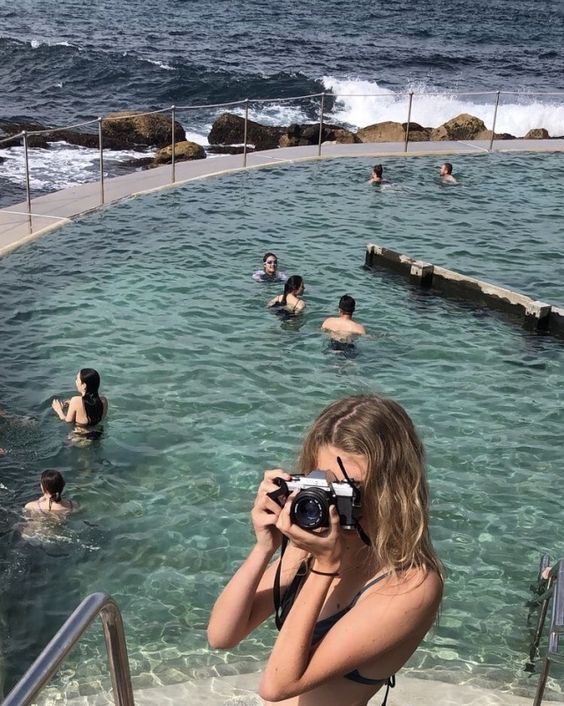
(446,174)
(269,272)
(86,409)
(290,302)
(51,501)
(377,175)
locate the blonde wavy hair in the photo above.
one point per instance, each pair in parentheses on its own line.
(395,497)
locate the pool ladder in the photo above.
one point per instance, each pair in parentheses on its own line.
(55,653)
(552,589)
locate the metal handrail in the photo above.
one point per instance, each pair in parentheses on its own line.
(56,651)
(553,590)
(245,104)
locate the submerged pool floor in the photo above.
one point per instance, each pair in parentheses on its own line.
(207,389)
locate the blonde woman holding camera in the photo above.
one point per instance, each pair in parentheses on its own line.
(352,605)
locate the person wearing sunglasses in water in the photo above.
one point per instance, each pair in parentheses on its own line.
(269,272)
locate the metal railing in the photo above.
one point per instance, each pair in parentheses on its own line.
(244,104)
(553,586)
(54,654)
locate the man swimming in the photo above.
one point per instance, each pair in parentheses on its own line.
(342,328)
(269,272)
(446,174)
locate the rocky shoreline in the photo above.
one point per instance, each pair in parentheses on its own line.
(130,130)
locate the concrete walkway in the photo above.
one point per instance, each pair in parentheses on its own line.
(54,210)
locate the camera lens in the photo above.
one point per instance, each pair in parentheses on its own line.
(310,509)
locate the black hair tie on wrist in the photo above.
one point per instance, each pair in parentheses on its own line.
(324,573)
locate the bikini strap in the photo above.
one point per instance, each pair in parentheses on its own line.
(389,685)
(369,585)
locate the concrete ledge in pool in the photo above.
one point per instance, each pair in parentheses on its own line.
(53,211)
(534,314)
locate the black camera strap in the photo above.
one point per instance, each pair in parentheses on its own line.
(356,499)
(276,588)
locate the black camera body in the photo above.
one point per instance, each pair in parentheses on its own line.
(316,493)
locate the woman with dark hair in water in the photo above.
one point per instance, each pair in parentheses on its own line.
(290,301)
(52,486)
(86,409)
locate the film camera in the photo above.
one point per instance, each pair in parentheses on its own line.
(316,493)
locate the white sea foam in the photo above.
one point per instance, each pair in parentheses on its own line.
(198,137)
(162,64)
(59,167)
(359,106)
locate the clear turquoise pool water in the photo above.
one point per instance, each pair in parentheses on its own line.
(207,389)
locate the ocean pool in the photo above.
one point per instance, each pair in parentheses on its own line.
(207,389)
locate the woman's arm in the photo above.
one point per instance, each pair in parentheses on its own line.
(247,601)
(384,627)
(70,415)
(274,301)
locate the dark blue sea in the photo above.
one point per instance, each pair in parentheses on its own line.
(68,61)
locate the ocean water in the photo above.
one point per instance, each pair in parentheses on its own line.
(207,389)
(74,61)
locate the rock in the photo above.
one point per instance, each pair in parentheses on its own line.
(229,129)
(72,137)
(537,133)
(183,151)
(13,127)
(229,149)
(487,135)
(344,136)
(130,129)
(390,131)
(463,127)
(308,134)
(135,163)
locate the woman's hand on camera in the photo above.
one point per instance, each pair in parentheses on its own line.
(266,511)
(324,545)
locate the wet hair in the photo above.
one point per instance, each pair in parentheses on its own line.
(347,304)
(395,499)
(448,167)
(292,284)
(269,254)
(53,484)
(93,405)
(378,170)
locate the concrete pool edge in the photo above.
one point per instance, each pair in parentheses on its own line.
(56,209)
(241,690)
(534,314)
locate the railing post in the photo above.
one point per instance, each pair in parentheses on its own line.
(245,132)
(494,121)
(408,123)
(114,635)
(27,187)
(173,142)
(101,148)
(321,111)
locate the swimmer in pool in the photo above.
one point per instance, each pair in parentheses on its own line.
(86,409)
(290,301)
(51,501)
(446,174)
(376,176)
(269,272)
(342,328)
